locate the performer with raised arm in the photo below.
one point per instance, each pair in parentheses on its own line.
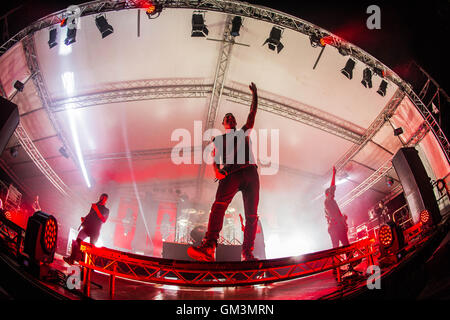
(90,226)
(337,222)
(236,170)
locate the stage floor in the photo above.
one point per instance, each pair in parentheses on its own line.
(312,287)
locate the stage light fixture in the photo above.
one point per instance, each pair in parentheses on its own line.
(382,89)
(385,236)
(367,78)
(53,33)
(153,9)
(63,152)
(19,85)
(40,238)
(103,26)
(398,131)
(236,26)
(71,36)
(348,69)
(13,152)
(315,41)
(274,40)
(425,217)
(199,28)
(389,181)
(392,242)
(344,51)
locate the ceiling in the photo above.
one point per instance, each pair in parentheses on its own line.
(126,142)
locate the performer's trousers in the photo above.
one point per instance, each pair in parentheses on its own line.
(82,235)
(247,181)
(338,234)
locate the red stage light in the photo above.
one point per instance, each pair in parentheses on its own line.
(50,235)
(424,217)
(151,8)
(385,235)
(326,40)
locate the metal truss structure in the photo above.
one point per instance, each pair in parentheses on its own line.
(217,274)
(39,160)
(26,142)
(263,14)
(138,90)
(300,112)
(216,95)
(415,138)
(374,127)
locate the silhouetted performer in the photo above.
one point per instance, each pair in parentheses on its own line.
(90,226)
(239,173)
(337,224)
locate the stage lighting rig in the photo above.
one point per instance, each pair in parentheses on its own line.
(348,69)
(274,40)
(382,89)
(367,78)
(53,33)
(398,131)
(199,28)
(391,243)
(153,9)
(236,24)
(103,26)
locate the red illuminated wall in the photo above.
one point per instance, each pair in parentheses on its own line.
(125,223)
(165,226)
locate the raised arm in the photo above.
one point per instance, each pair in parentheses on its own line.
(251,116)
(333,179)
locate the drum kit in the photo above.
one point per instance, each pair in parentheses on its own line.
(192,225)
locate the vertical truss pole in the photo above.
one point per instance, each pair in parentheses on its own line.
(383,170)
(30,54)
(375,126)
(219,82)
(38,160)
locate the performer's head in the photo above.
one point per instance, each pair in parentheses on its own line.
(329,192)
(103,199)
(229,121)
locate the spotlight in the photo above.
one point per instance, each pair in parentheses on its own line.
(19,85)
(40,238)
(344,51)
(398,131)
(425,217)
(367,78)
(348,69)
(326,40)
(71,36)
(153,9)
(385,236)
(236,26)
(103,26)
(199,28)
(13,152)
(274,39)
(52,38)
(391,243)
(382,89)
(64,153)
(316,41)
(389,181)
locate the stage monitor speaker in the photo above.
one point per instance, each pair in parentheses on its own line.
(178,251)
(9,120)
(416,184)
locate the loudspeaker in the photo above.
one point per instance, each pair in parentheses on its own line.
(9,120)
(416,184)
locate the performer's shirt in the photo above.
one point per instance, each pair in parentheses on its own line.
(333,213)
(225,145)
(92,221)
